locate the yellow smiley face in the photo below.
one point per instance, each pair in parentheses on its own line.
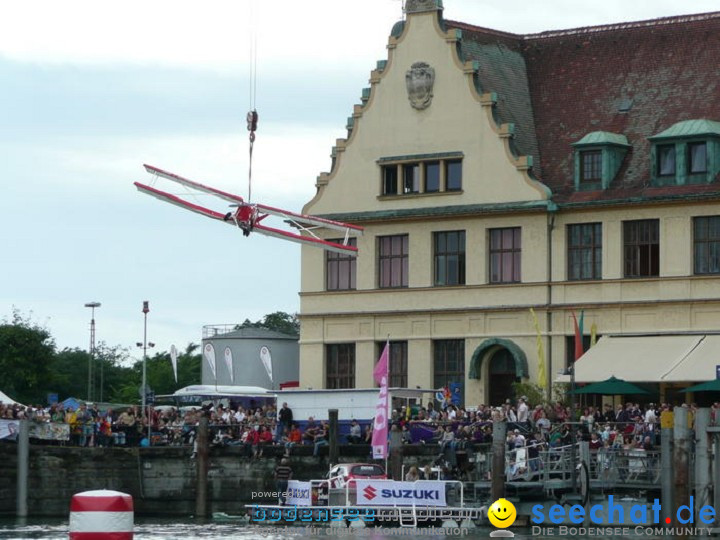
(502,513)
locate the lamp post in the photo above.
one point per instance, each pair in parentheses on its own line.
(145,345)
(92,306)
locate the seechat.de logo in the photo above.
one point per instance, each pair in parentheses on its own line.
(370,493)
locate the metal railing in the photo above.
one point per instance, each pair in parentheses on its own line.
(635,467)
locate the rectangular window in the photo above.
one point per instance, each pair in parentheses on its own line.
(398,366)
(584,243)
(340,365)
(570,347)
(453,175)
(393,260)
(642,248)
(449,258)
(432,177)
(340,268)
(449,364)
(390,179)
(411,178)
(591,166)
(706,239)
(697,158)
(666,160)
(505,253)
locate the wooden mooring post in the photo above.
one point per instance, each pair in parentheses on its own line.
(497,486)
(23,458)
(333,437)
(666,462)
(681,460)
(202,468)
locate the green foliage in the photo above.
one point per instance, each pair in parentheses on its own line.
(27,352)
(30,367)
(533,392)
(160,374)
(536,395)
(279,321)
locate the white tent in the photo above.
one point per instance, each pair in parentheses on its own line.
(5,399)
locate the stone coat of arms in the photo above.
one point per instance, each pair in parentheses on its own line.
(419,80)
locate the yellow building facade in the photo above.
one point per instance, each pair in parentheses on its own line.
(464,232)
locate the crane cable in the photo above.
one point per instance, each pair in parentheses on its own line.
(252,115)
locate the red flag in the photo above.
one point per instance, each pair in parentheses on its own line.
(578,338)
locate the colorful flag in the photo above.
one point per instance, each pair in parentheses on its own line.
(542,383)
(209,353)
(593,335)
(173,360)
(229,363)
(578,337)
(380,426)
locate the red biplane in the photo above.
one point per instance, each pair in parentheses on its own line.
(251,217)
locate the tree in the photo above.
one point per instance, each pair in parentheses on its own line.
(27,352)
(160,376)
(68,377)
(279,321)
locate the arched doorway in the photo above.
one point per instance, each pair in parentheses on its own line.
(501,371)
(505,363)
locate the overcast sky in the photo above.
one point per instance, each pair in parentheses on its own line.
(89,91)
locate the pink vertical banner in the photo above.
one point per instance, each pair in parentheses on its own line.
(380,426)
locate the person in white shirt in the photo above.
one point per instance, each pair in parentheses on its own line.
(522,410)
(650,418)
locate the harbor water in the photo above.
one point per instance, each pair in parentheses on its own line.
(172,529)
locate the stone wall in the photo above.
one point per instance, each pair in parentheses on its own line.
(161,480)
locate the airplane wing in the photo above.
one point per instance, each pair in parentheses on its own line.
(345,249)
(302,219)
(252,217)
(177,201)
(192,184)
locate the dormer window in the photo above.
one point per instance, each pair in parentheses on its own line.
(666,160)
(590,166)
(598,156)
(697,158)
(686,153)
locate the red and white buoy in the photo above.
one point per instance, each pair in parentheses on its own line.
(101,515)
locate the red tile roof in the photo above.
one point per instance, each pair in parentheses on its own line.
(558,86)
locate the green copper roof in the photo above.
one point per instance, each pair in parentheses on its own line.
(689,128)
(597,138)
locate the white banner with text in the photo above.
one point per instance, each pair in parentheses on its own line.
(392,493)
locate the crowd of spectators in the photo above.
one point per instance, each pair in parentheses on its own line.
(255,428)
